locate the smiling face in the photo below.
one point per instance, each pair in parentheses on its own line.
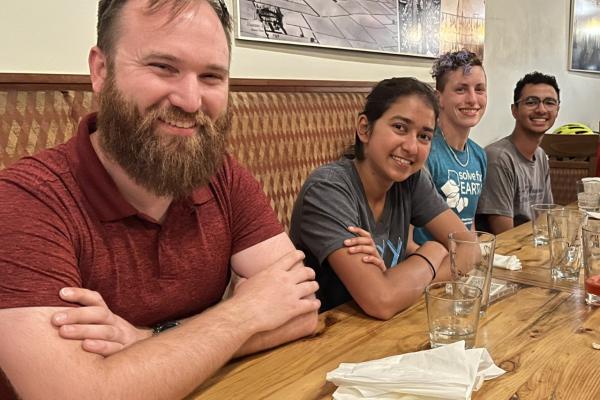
(163,96)
(538,119)
(463,99)
(398,143)
(181,62)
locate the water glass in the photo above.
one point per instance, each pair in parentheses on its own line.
(588,201)
(452,313)
(471,260)
(564,227)
(591,262)
(539,221)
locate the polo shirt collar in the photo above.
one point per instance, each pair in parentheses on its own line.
(96,184)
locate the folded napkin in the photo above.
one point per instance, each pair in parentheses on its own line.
(507,262)
(447,372)
(593,214)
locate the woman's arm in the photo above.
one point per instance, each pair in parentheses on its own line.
(382,294)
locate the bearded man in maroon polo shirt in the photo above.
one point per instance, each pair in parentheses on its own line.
(139,218)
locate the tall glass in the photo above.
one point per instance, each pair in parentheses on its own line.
(471,259)
(539,221)
(564,227)
(591,262)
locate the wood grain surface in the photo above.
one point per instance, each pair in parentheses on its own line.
(535,260)
(542,335)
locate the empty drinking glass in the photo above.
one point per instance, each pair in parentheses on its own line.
(452,313)
(539,221)
(564,227)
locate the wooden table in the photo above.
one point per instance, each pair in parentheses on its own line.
(535,260)
(542,335)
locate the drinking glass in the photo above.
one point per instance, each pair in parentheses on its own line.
(591,262)
(471,260)
(452,313)
(564,227)
(539,221)
(588,201)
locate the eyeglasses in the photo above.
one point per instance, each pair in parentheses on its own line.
(533,102)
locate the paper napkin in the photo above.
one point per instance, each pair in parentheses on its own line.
(447,372)
(507,262)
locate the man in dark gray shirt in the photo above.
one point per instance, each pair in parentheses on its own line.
(518,172)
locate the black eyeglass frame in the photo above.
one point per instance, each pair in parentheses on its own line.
(537,101)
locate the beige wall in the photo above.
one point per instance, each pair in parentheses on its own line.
(521,36)
(66,30)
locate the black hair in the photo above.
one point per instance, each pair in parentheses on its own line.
(535,78)
(381,98)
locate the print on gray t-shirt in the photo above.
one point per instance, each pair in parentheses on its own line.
(332,199)
(513,182)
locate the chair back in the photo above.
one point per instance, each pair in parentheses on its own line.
(571,157)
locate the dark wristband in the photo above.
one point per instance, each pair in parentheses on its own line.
(428,262)
(163,326)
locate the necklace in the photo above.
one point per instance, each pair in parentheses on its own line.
(464,165)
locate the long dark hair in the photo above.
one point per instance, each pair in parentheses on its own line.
(383,95)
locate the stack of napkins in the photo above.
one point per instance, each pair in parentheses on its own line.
(507,262)
(447,372)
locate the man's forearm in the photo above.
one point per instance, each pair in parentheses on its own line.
(500,223)
(296,328)
(167,366)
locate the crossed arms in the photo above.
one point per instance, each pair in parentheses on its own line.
(273,305)
(382,292)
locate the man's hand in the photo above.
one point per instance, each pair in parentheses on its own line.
(278,293)
(364,244)
(101,331)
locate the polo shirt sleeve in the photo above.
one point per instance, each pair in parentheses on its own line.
(252,218)
(37,255)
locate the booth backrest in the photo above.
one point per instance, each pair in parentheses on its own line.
(281,129)
(571,157)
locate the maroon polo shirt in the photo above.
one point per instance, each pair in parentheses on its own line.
(64,223)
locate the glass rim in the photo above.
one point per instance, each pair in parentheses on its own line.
(547,206)
(486,237)
(477,289)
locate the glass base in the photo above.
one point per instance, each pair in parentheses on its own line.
(540,241)
(592,299)
(568,275)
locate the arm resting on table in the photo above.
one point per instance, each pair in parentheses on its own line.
(500,223)
(248,262)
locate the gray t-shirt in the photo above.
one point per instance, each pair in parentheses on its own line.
(333,198)
(513,182)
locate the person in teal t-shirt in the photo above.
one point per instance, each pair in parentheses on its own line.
(456,163)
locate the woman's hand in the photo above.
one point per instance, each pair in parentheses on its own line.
(364,244)
(100,331)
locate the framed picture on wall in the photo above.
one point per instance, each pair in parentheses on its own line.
(423,28)
(584,51)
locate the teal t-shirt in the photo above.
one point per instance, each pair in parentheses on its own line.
(458,177)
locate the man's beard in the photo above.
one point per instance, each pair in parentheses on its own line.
(164,164)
